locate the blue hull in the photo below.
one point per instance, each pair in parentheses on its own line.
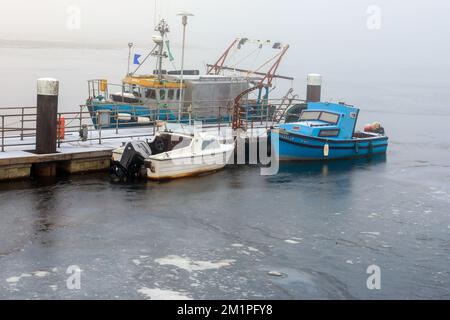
(152,114)
(299,147)
(134,111)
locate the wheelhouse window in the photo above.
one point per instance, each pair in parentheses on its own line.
(150,94)
(162,94)
(310,115)
(127,89)
(324,116)
(329,133)
(170,94)
(329,117)
(178,94)
(136,91)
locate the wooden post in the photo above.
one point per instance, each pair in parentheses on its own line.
(314,87)
(46,115)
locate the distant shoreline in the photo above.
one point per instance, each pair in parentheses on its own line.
(60,44)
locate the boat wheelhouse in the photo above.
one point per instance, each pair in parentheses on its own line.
(145,99)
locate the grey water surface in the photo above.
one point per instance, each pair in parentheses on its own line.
(320,225)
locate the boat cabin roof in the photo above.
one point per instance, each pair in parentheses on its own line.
(152,81)
(326,120)
(209,78)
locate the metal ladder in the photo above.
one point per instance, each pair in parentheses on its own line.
(286,102)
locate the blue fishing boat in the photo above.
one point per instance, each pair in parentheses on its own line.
(326,131)
(183,96)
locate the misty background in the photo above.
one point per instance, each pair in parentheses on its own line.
(407,53)
(390,58)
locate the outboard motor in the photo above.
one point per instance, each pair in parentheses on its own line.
(132,160)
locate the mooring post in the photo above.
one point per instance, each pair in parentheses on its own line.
(3,133)
(314,87)
(46,115)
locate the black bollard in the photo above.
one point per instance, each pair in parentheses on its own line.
(46,115)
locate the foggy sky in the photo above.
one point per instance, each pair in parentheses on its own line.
(414,32)
(411,23)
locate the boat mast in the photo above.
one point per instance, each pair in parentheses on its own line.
(162,28)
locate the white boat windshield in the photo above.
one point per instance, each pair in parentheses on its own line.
(210,144)
(179,128)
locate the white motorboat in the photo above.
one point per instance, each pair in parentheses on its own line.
(193,155)
(172,155)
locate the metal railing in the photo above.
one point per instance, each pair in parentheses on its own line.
(19,123)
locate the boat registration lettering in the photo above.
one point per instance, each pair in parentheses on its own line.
(287,137)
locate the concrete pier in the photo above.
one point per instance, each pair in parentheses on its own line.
(22,165)
(20,162)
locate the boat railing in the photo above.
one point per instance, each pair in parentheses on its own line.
(18,124)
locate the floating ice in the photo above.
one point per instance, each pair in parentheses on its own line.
(41,274)
(371,233)
(15,279)
(136,262)
(192,265)
(291,241)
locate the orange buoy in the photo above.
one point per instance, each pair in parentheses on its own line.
(368,128)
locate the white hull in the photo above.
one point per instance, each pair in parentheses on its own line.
(161,169)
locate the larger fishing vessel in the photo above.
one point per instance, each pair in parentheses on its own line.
(183,95)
